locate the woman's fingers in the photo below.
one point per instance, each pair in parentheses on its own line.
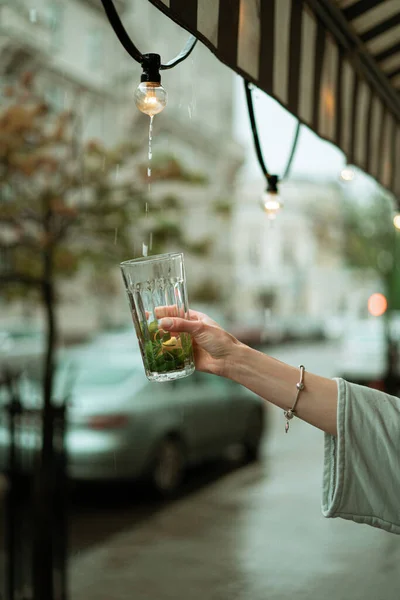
(181,325)
(174,311)
(169,311)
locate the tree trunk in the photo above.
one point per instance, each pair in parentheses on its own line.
(43,560)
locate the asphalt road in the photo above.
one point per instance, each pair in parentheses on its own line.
(253,532)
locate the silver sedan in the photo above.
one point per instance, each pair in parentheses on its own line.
(120,426)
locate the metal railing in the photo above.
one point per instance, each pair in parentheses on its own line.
(20,437)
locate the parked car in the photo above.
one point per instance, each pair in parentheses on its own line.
(120,426)
(364,351)
(21,348)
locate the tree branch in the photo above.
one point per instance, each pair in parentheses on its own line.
(23,242)
(10,278)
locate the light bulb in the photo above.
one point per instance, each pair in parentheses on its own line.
(272,204)
(150,98)
(347,174)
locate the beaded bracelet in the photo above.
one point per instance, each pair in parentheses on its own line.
(289,414)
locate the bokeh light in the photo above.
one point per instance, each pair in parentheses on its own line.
(377,305)
(396,221)
(347,174)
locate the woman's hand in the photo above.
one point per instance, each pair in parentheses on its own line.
(213,346)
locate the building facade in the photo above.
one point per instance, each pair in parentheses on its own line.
(80,64)
(292,266)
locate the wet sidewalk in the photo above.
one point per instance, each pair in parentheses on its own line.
(258,533)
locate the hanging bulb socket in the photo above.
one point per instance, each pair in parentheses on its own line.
(271,200)
(272,186)
(151,64)
(150,96)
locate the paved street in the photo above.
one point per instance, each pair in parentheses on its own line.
(255,533)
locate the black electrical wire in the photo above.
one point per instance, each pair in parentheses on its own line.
(253,124)
(293,151)
(256,139)
(130,47)
(120,30)
(186,50)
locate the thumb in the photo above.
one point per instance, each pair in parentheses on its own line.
(181,325)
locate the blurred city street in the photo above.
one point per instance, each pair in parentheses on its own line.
(255,532)
(206,159)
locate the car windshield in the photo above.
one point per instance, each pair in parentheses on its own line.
(99,375)
(92,369)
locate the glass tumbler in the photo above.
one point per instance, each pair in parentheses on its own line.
(156,288)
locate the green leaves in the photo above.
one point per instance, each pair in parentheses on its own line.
(163,358)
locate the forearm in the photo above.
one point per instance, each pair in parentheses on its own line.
(276,382)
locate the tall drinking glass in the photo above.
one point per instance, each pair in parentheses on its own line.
(156,288)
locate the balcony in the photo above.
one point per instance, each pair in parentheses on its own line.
(18,32)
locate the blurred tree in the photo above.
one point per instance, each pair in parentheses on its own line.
(368,235)
(372,243)
(63,204)
(166,167)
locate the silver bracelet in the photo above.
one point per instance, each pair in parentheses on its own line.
(289,414)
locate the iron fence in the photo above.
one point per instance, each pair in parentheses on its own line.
(20,455)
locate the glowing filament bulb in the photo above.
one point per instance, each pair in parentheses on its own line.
(150,98)
(271,200)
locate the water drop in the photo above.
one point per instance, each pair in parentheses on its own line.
(145,249)
(148,171)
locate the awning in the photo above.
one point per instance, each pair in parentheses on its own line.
(334,64)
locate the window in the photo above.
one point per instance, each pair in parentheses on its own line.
(254,250)
(54,18)
(55,97)
(289,253)
(95,43)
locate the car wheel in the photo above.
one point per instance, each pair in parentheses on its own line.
(168,467)
(254,434)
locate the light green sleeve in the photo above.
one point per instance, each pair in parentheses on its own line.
(361,480)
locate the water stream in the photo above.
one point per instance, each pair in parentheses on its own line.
(145,247)
(150,155)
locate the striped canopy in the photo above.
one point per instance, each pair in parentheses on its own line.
(334,64)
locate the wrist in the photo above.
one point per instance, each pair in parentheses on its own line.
(235,359)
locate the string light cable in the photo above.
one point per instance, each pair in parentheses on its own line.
(150,96)
(271,200)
